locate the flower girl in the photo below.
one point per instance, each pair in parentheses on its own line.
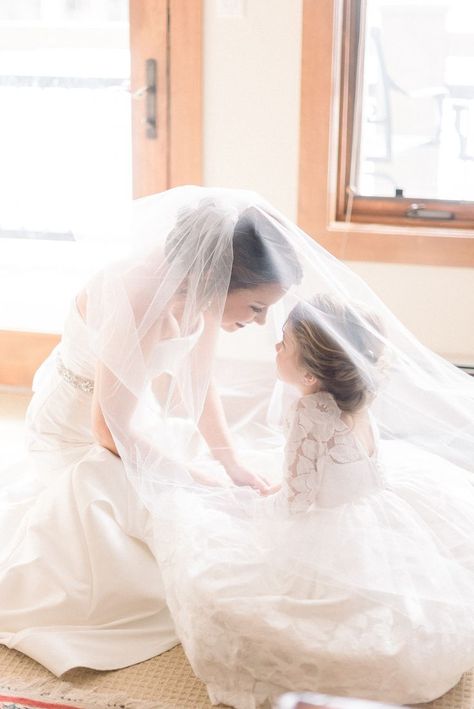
(356,577)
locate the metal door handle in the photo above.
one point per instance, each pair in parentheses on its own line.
(151,98)
(150,91)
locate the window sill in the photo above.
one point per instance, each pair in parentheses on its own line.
(396,244)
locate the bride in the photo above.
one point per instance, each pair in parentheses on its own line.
(153,513)
(117,408)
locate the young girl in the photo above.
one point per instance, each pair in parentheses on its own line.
(356,577)
(329,353)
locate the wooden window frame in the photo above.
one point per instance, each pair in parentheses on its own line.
(328,74)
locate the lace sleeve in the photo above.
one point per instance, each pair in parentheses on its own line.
(311,433)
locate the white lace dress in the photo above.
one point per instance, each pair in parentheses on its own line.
(79,585)
(355,579)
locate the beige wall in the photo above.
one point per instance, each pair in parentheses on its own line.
(251,136)
(251,96)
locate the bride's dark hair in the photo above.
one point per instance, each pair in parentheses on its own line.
(261,254)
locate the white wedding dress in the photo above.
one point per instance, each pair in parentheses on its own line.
(79,585)
(355,579)
(336,583)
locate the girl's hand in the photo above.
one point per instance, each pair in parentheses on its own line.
(241,476)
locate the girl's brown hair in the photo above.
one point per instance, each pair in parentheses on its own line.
(348,373)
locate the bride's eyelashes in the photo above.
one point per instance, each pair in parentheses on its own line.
(256,309)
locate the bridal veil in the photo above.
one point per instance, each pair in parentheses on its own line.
(156,370)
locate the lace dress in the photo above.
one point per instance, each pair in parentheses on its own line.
(79,585)
(351,580)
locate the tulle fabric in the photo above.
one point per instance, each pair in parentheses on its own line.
(369,598)
(264,599)
(181,247)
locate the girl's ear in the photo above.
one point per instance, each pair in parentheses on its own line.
(309,379)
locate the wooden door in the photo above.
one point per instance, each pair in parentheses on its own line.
(167,32)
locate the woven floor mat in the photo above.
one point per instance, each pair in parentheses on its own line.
(164,682)
(460,697)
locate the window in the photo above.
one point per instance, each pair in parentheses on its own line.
(75,135)
(387,85)
(65,124)
(81,83)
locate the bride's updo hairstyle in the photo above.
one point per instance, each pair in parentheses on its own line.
(341,346)
(261,254)
(211,231)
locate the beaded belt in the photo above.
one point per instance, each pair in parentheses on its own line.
(78,382)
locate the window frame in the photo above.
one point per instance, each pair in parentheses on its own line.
(377,228)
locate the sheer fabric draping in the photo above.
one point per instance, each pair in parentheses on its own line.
(230,558)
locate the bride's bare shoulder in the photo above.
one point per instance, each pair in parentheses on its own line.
(165,327)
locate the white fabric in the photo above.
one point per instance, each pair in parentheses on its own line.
(355,578)
(346,581)
(79,585)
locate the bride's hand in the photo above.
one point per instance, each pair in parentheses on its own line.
(207,479)
(241,476)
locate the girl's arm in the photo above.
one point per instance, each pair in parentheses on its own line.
(305,450)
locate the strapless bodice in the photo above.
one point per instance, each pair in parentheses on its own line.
(78,357)
(75,349)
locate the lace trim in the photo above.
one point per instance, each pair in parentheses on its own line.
(78,382)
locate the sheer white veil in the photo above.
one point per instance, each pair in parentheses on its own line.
(154,325)
(148,314)
(154,319)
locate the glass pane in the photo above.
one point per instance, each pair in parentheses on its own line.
(416,103)
(65,123)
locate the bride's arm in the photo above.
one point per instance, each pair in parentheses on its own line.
(215,430)
(100,429)
(102,432)
(213,423)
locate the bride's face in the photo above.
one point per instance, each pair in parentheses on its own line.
(248,305)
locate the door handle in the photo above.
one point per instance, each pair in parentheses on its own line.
(151,98)
(150,92)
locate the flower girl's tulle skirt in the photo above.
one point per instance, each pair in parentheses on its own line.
(372,598)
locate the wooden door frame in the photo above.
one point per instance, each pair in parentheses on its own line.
(170,32)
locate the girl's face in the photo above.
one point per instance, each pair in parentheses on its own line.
(248,305)
(289,368)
